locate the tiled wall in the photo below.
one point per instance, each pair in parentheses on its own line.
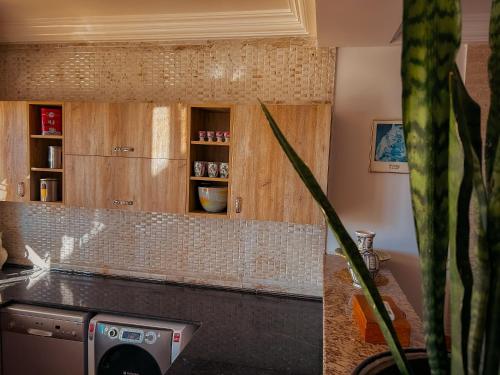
(280,257)
(234,253)
(282,70)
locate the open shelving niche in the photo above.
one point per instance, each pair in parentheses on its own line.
(208,117)
(39,150)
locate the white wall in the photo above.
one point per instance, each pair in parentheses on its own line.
(368,87)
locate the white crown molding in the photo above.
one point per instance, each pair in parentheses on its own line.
(475,28)
(296,20)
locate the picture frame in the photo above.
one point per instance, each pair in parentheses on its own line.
(388,150)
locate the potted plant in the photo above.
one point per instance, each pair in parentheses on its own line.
(448,169)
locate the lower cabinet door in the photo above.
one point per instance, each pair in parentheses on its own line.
(136,184)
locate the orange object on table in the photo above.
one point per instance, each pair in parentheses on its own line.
(368,326)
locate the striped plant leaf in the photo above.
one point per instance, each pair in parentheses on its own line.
(467,315)
(431,38)
(492,155)
(350,249)
(460,192)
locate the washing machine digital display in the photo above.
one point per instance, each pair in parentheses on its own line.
(132,335)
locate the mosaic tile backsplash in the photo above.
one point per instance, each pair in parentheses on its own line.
(288,70)
(272,256)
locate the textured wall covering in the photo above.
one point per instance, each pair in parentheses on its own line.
(259,255)
(282,70)
(272,256)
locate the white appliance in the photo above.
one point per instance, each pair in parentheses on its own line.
(127,345)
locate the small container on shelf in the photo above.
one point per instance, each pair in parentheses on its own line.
(219,134)
(55,157)
(200,168)
(227,136)
(48,189)
(213,198)
(202,135)
(210,135)
(213,169)
(51,121)
(224,170)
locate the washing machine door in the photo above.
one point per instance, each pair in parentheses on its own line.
(128,359)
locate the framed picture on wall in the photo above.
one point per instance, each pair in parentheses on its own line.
(388,150)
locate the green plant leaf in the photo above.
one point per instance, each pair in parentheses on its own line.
(492,155)
(469,128)
(431,38)
(350,249)
(466,297)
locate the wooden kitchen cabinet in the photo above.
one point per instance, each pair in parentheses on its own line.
(263,180)
(147,130)
(14,172)
(136,184)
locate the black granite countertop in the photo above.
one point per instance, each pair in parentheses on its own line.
(240,333)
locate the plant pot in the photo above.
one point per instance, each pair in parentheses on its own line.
(383,364)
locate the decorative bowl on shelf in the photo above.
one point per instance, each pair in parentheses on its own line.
(213,198)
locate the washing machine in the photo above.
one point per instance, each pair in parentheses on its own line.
(120,345)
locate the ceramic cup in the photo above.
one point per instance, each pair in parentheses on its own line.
(224,170)
(365,240)
(202,134)
(210,135)
(219,135)
(213,169)
(227,136)
(200,168)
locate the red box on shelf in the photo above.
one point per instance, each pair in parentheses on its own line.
(51,121)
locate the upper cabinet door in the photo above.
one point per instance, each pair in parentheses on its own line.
(87,125)
(134,184)
(264,184)
(148,130)
(13,151)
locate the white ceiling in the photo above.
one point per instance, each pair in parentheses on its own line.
(334,22)
(92,20)
(373,23)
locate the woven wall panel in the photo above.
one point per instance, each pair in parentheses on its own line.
(283,70)
(273,256)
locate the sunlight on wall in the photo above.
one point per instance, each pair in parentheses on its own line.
(160,140)
(3,190)
(34,258)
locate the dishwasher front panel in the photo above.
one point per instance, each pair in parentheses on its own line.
(37,355)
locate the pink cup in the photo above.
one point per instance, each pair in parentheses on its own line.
(202,134)
(227,136)
(210,135)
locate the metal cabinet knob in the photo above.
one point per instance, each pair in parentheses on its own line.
(20,189)
(237,205)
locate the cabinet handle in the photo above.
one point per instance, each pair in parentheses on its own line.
(20,189)
(117,202)
(237,205)
(123,149)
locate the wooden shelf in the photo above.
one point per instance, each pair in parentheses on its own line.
(39,136)
(56,202)
(206,213)
(212,179)
(206,143)
(35,169)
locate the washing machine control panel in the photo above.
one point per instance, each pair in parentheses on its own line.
(129,335)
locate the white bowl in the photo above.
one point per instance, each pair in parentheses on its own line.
(213,198)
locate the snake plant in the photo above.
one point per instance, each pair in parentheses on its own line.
(447,172)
